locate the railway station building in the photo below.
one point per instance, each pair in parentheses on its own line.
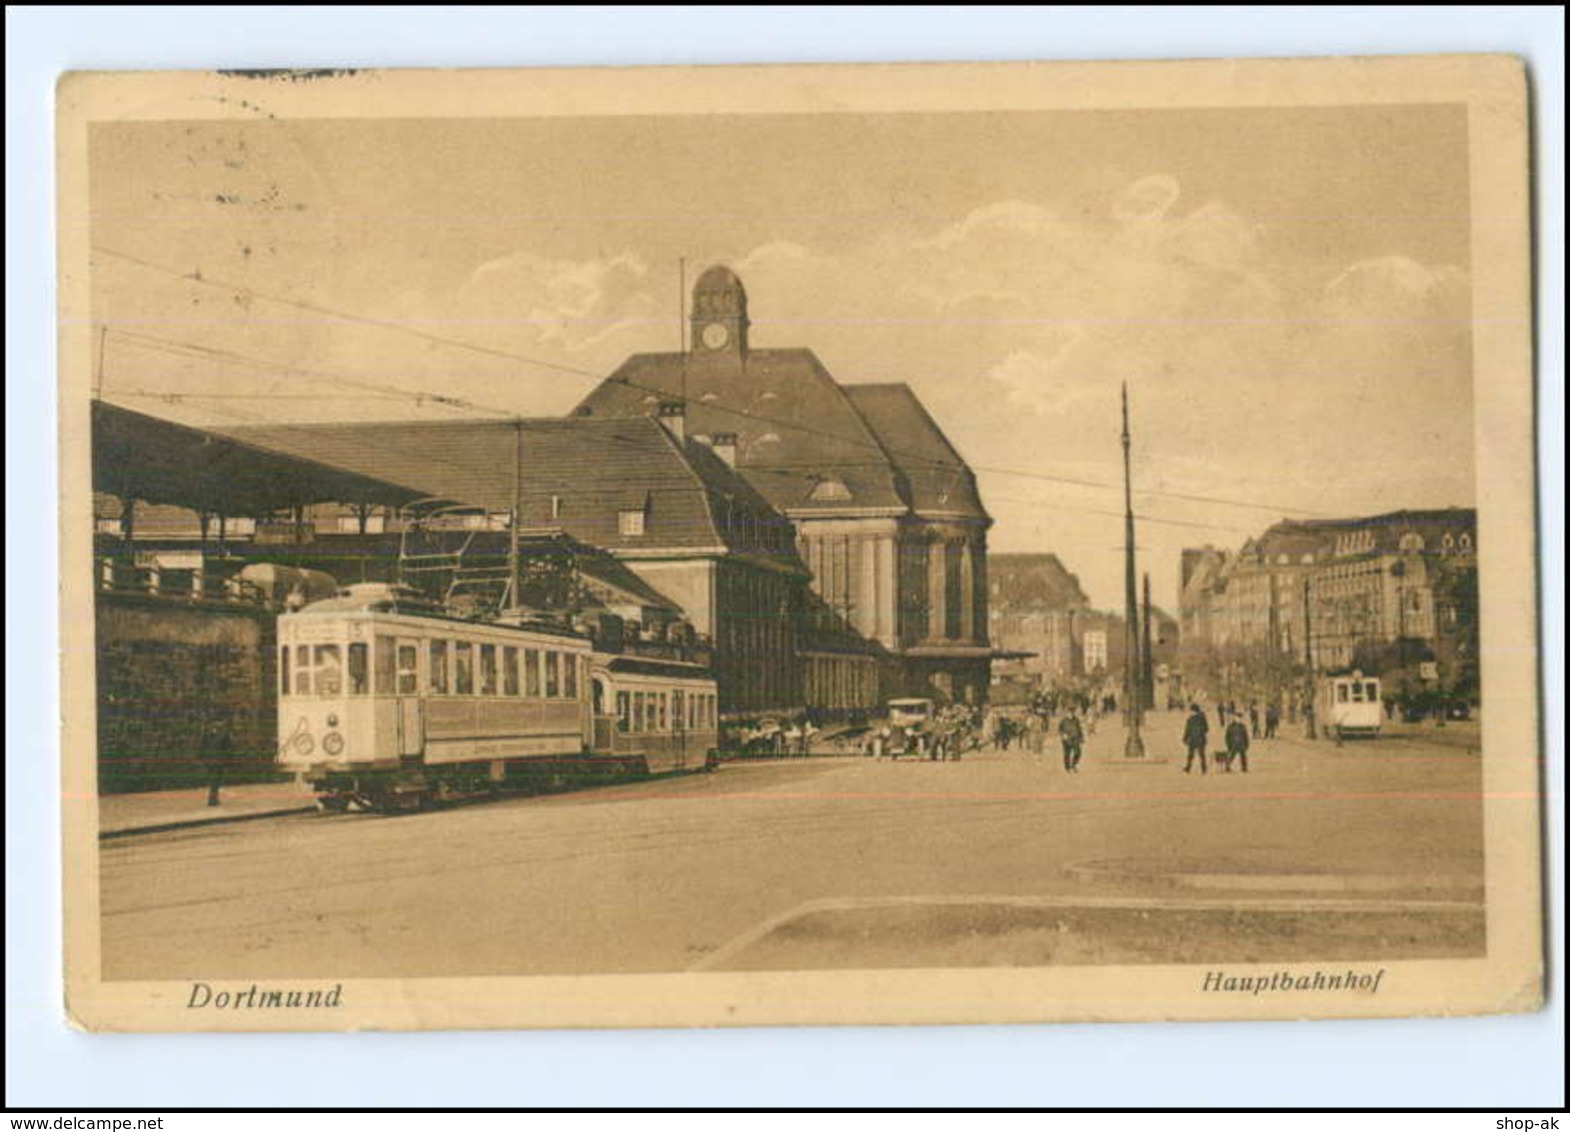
(884,511)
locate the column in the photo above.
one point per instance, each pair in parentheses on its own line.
(937,589)
(867,608)
(887,590)
(967,593)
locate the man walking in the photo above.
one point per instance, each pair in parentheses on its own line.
(1272,719)
(1196,733)
(1253,718)
(1237,746)
(1073,737)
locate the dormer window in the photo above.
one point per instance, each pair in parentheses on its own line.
(830,489)
(629,524)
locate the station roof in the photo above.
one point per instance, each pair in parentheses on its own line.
(804,440)
(574,474)
(159,461)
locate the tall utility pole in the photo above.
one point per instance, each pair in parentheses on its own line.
(1134,747)
(1147,665)
(514,558)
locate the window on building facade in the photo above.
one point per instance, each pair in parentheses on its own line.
(630,523)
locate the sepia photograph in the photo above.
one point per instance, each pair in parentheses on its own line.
(742,546)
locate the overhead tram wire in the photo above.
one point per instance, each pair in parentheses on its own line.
(490,351)
(205,353)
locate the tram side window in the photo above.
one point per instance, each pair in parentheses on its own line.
(439,682)
(637,711)
(661,718)
(386,665)
(531,673)
(678,711)
(552,675)
(1373,692)
(570,676)
(463,669)
(302,670)
(509,671)
(1341,693)
(283,671)
(408,669)
(487,670)
(623,712)
(359,668)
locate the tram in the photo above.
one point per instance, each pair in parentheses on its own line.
(385,703)
(1350,706)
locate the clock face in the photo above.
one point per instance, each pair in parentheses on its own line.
(715,336)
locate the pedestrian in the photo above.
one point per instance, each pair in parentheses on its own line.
(1073,738)
(1253,718)
(1196,734)
(1272,719)
(1237,746)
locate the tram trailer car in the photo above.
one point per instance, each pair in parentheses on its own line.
(384,708)
(1350,706)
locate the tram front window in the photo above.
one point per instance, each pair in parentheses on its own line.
(329,671)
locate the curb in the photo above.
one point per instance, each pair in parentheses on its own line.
(1098,872)
(193,823)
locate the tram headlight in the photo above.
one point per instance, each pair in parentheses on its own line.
(332,743)
(332,721)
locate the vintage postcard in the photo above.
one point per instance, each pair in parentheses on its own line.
(798,545)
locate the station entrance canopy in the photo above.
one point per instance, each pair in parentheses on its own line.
(136,456)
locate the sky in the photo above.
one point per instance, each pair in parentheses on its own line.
(1285,292)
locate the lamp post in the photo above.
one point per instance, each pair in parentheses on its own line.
(1134,746)
(1308,658)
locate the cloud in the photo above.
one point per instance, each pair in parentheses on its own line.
(1008,219)
(1147,200)
(574,304)
(1037,381)
(1393,287)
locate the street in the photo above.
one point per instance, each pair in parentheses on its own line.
(1369,850)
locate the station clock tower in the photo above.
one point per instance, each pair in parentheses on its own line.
(719,315)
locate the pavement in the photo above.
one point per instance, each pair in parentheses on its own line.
(122,815)
(1373,848)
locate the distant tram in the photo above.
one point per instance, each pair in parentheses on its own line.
(1350,706)
(385,704)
